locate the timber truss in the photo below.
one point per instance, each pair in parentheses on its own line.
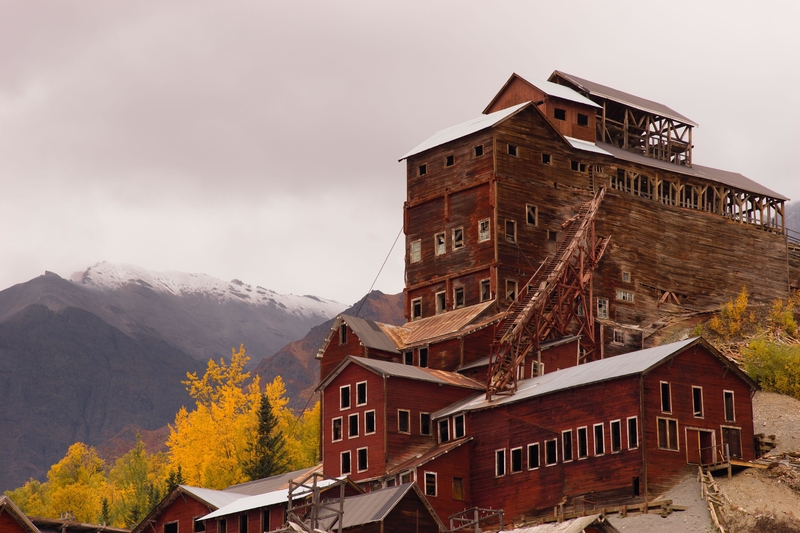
(556,299)
(645,133)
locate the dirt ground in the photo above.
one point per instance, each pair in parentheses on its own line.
(753,493)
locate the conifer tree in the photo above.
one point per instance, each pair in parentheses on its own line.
(268,455)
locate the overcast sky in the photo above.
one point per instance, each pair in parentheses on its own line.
(259,140)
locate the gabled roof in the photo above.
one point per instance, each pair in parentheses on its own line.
(576,525)
(456,322)
(387,369)
(619,366)
(465,128)
(370,333)
(212,498)
(420,459)
(602,91)
(8,506)
(547,87)
(272,483)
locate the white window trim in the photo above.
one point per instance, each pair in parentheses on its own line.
(341,462)
(602,308)
(497,455)
(625,296)
(446,423)
(511,461)
(733,405)
(611,435)
(358,425)
(350,400)
(463,426)
(626,277)
(661,396)
(578,442)
(365,393)
(564,446)
(441,299)
(358,469)
(413,302)
(455,241)
(628,431)
(505,230)
(617,332)
(341,429)
(602,436)
(702,402)
(415,251)
(374,422)
(408,412)
(435,484)
(538,456)
(487,236)
(554,463)
(537,368)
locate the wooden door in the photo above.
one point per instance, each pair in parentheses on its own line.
(732,437)
(699,446)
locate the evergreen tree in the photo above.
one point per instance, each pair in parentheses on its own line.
(268,455)
(174,478)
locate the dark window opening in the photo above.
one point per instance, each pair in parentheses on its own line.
(583,444)
(574,165)
(444,430)
(500,463)
(172,527)
(546,159)
(583,120)
(552,236)
(599,441)
(458,429)
(408,358)
(616,436)
(425,424)
(560,114)
(361,393)
(222,526)
(423,357)
(486,290)
(479,150)
(566,440)
(337,429)
(512,150)
(345,462)
(200,526)
(511,231)
(667,434)
(533,456)
(550,452)
(242,523)
(516,460)
(441,305)
(265,525)
(416,308)
(633,433)
(635,484)
(343,334)
(697,401)
(403,421)
(458,297)
(666,401)
(344,402)
(423,169)
(532,215)
(458,238)
(730,415)
(430,484)
(362,459)
(369,422)
(352,425)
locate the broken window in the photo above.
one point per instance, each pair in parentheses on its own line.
(624,296)
(697,401)
(552,236)
(511,289)
(458,238)
(602,308)
(511,231)
(423,169)
(450,160)
(574,165)
(546,159)
(560,114)
(512,150)
(458,297)
(416,251)
(336,430)
(441,305)
(483,230)
(486,290)
(626,277)
(537,369)
(408,358)
(532,215)
(438,242)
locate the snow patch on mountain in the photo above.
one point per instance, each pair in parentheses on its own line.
(112,277)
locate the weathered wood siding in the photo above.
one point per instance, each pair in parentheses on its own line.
(184,510)
(454,464)
(410,515)
(8,524)
(336,352)
(558,357)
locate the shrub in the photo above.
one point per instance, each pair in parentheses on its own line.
(775,367)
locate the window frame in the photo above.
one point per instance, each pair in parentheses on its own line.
(463,432)
(626,277)
(408,421)
(547,159)
(333,429)
(518,452)
(559,114)
(199,526)
(618,435)
(698,413)
(342,396)
(342,333)
(222,525)
(602,308)
(547,444)
(456,292)
(439,243)
(566,446)
(512,224)
(500,467)
(422,357)
(625,296)
(668,423)
(458,238)
(415,251)
(353,426)
(486,294)
(599,445)
(441,302)
(535,209)
(618,337)
(176,523)
(531,447)
(477,150)
(515,283)
(358,393)
(434,477)
(359,451)
(243,522)
(635,420)
(725,405)
(416,308)
(342,455)
(668,397)
(422,424)
(422,169)
(408,358)
(582,120)
(582,433)
(512,150)
(484,235)
(449,160)
(443,424)
(366,423)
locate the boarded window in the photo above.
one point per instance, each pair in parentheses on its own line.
(533,456)
(403,421)
(516,460)
(483,230)
(369,422)
(458,488)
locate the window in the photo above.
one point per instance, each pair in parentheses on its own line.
(730,413)
(408,358)
(666,398)
(511,289)
(222,525)
(430,484)
(369,422)
(438,243)
(416,308)
(403,421)
(560,114)
(616,436)
(352,425)
(619,337)
(242,523)
(550,452)
(624,296)
(566,445)
(583,443)
(458,426)
(599,440)
(602,308)
(440,303)
(533,456)
(486,290)
(483,230)
(344,397)
(336,431)
(343,334)
(361,393)
(344,461)
(423,169)
(265,525)
(574,165)
(458,238)
(416,251)
(633,433)
(516,460)
(532,215)
(458,488)
(200,526)
(500,463)
(511,231)
(458,297)
(546,159)
(361,458)
(626,277)
(407,477)
(667,433)
(583,120)
(697,401)
(450,160)
(423,358)
(552,236)
(537,369)
(171,527)
(444,430)
(478,150)
(424,423)
(512,150)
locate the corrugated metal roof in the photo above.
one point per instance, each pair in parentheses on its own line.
(576,525)
(559,91)
(261,500)
(269,484)
(731,179)
(215,498)
(631,100)
(398,370)
(370,507)
(465,128)
(445,324)
(576,376)
(420,459)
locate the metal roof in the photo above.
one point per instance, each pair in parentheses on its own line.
(370,507)
(446,324)
(269,484)
(731,179)
(576,525)
(587,146)
(465,128)
(484,361)
(259,501)
(371,334)
(577,376)
(420,459)
(630,100)
(549,88)
(215,498)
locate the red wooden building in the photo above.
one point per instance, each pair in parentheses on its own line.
(12,520)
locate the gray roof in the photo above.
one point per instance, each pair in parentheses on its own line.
(609,93)
(269,484)
(484,361)
(462,130)
(576,525)
(732,179)
(215,498)
(577,376)
(372,506)
(370,334)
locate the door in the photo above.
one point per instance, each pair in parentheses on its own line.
(732,441)
(699,446)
